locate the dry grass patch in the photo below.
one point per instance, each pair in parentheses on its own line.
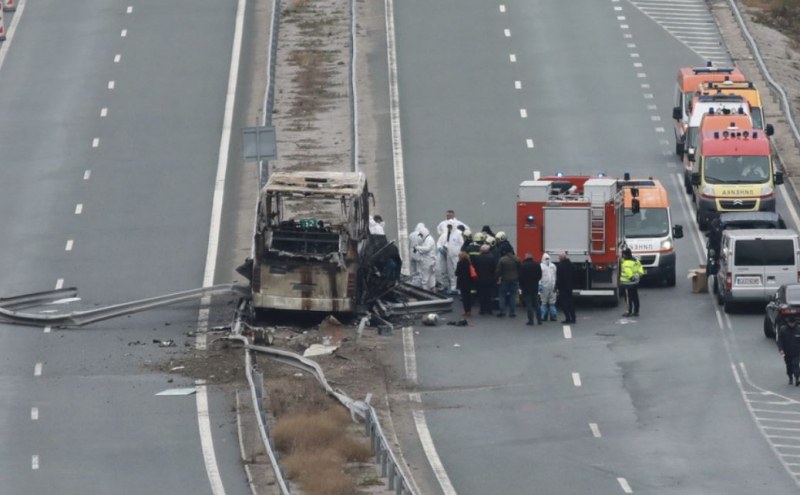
(783,15)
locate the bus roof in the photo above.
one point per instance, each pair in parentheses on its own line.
(690,78)
(739,142)
(651,193)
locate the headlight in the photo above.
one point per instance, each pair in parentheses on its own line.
(708,191)
(666,245)
(766,189)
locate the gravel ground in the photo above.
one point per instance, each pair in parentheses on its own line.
(783,62)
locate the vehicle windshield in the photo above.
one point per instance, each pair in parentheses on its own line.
(649,222)
(736,169)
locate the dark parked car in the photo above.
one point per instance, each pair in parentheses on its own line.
(785,303)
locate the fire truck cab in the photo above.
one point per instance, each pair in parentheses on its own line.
(582,216)
(687,81)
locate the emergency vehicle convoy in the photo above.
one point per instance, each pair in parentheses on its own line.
(582,216)
(728,163)
(689,80)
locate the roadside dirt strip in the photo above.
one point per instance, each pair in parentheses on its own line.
(783,62)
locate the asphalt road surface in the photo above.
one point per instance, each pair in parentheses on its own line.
(109,136)
(684,399)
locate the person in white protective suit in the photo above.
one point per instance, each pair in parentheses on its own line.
(415,240)
(450,217)
(449,245)
(426,261)
(548,289)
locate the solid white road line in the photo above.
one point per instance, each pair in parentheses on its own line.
(567,332)
(34,413)
(576,379)
(623,483)
(59,283)
(204,423)
(4,46)
(409,354)
(78,208)
(595,430)
(68,247)
(34,462)
(206,439)
(430,452)
(397,136)
(37,369)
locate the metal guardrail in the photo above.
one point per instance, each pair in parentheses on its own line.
(384,456)
(787,108)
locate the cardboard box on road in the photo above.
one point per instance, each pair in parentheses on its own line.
(699,279)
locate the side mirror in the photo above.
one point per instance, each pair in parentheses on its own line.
(677,231)
(690,155)
(696,179)
(635,206)
(769,130)
(677,113)
(778,178)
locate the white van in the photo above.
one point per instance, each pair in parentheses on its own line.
(753,263)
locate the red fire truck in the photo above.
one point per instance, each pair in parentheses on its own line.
(582,216)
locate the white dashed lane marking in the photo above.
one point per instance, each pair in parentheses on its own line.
(123,33)
(517,84)
(34,462)
(576,379)
(595,430)
(87,175)
(117,58)
(78,208)
(111,84)
(507,33)
(623,483)
(95,142)
(59,283)
(129,10)
(68,247)
(103,112)
(523,113)
(47,329)
(502,8)
(34,414)
(529,143)
(37,369)
(512,58)
(567,332)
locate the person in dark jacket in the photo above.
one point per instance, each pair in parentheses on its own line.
(464,282)
(485,266)
(789,346)
(565,282)
(530,275)
(508,274)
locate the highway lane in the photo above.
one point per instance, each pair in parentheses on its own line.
(668,412)
(111,128)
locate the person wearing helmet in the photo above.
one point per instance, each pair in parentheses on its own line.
(548,289)
(467,234)
(485,265)
(426,249)
(788,340)
(503,243)
(479,237)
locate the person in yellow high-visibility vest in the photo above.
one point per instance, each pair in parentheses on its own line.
(629,274)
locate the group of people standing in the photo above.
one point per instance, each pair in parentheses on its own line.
(483,265)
